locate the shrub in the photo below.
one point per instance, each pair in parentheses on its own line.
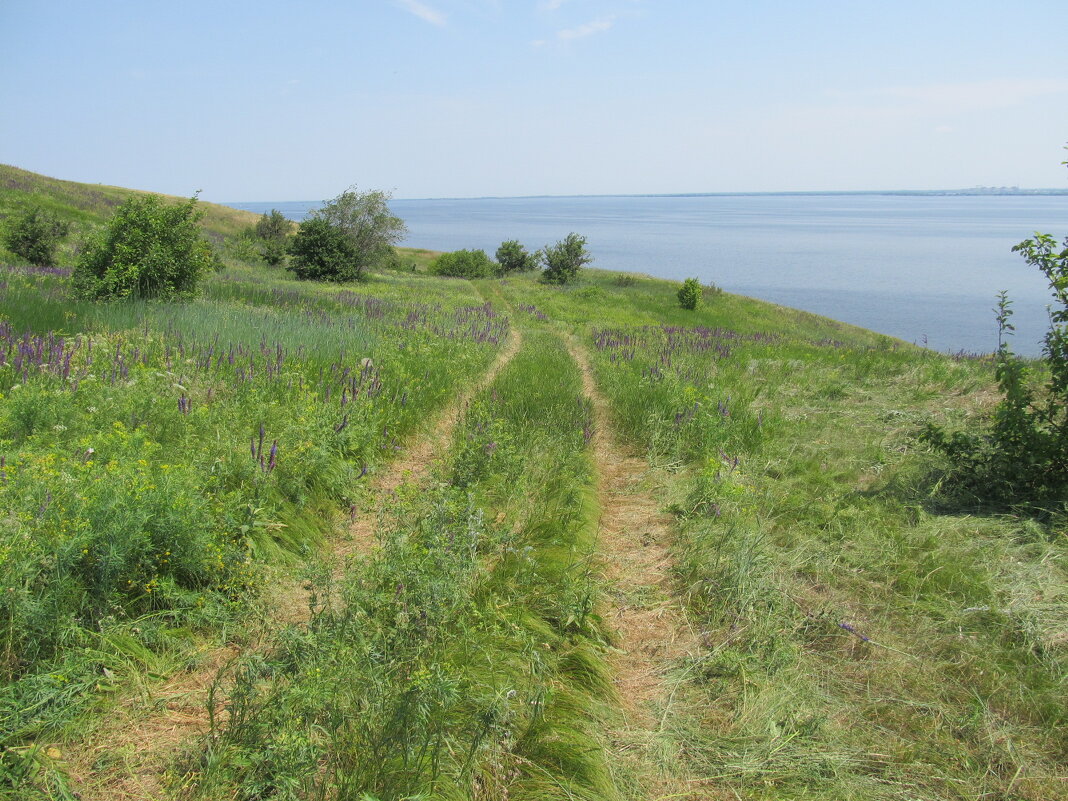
(564,259)
(464,264)
(34,236)
(272,230)
(369,228)
(148,249)
(322,252)
(690,294)
(1021,458)
(514,258)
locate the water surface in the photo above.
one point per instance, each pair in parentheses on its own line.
(925,268)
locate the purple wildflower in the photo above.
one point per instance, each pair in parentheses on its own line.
(853,631)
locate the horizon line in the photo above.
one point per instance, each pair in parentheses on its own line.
(975,191)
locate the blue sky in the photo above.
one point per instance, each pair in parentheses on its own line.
(460,98)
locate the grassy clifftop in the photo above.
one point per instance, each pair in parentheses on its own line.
(88,205)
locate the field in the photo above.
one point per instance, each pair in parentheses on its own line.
(424,538)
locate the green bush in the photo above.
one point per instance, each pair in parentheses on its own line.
(564,259)
(514,258)
(34,236)
(350,233)
(690,294)
(273,230)
(147,250)
(1021,458)
(464,264)
(322,252)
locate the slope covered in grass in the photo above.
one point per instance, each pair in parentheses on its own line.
(169,472)
(860,638)
(89,205)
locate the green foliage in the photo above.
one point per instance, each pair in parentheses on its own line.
(464,264)
(1021,458)
(322,252)
(273,230)
(359,232)
(34,234)
(148,250)
(564,259)
(690,294)
(514,258)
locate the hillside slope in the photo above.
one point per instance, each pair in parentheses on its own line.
(88,205)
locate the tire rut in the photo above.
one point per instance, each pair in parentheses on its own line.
(139,748)
(653,632)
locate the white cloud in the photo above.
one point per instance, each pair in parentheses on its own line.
(596,26)
(551,5)
(423,11)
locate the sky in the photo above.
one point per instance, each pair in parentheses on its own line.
(282,101)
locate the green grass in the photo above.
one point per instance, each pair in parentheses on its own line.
(463,656)
(87,206)
(141,492)
(860,637)
(861,640)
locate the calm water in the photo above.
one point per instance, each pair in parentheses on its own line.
(922,268)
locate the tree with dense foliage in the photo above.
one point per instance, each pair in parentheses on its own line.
(690,294)
(464,264)
(1021,459)
(34,235)
(564,259)
(321,252)
(514,258)
(149,249)
(369,227)
(273,230)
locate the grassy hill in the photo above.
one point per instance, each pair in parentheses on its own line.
(88,205)
(495,539)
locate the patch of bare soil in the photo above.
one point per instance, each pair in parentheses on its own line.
(129,753)
(125,758)
(653,634)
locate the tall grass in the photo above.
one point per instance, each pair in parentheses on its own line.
(155,458)
(462,659)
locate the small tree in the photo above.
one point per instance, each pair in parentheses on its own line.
(564,259)
(365,221)
(1021,457)
(690,294)
(464,264)
(514,258)
(322,252)
(273,230)
(34,236)
(148,249)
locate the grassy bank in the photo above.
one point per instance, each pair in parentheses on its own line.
(169,472)
(861,640)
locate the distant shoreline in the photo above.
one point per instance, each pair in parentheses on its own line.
(978,191)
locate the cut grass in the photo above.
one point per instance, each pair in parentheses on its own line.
(859,641)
